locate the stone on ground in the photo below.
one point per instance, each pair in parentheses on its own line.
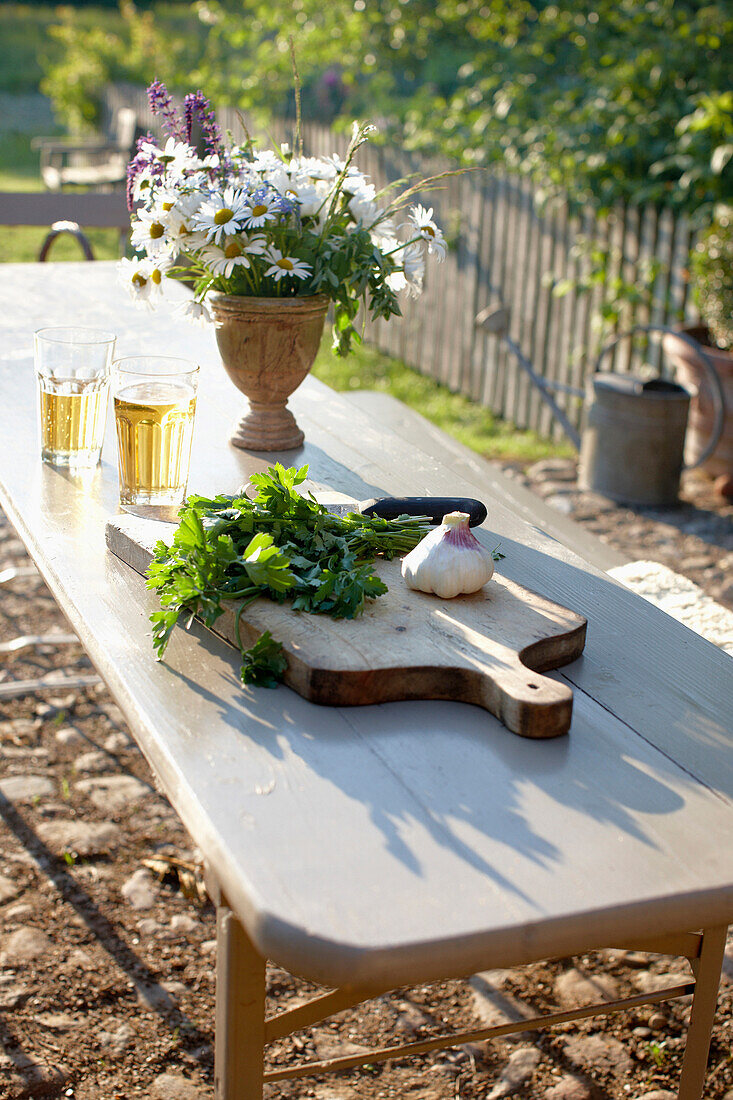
(117,1042)
(149,926)
(8,889)
(495,1007)
(411,1018)
(25,945)
(82,838)
(573,988)
(113,792)
(70,735)
(94,763)
(680,598)
(515,1074)
(154,997)
(25,788)
(648,982)
(138,890)
(181,924)
(173,1086)
(568,1087)
(599,1052)
(80,960)
(57,1021)
(117,742)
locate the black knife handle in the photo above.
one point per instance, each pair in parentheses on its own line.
(432,507)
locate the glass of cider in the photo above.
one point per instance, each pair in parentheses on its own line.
(73,371)
(155,404)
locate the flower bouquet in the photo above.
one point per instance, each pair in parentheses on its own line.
(278,230)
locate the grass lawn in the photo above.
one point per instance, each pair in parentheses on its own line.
(468,422)
(22,243)
(23,40)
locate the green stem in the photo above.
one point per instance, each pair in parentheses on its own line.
(242,607)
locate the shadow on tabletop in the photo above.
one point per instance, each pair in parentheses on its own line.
(621,658)
(431,774)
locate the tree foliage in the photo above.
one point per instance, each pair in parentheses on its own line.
(605,100)
(712,271)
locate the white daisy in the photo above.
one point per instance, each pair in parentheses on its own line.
(150,232)
(422,220)
(315,167)
(233,253)
(266,160)
(362,206)
(193,311)
(259,209)
(278,179)
(144,183)
(386,242)
(413,262)
(396,281)
(221,215)
(177,156)
(356,183)
(143,278)
(307,196)
(178,218)
(384,235)
(283,266)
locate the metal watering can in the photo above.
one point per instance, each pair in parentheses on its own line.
(634,430)
(633,439)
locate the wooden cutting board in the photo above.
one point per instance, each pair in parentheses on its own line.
(488,648)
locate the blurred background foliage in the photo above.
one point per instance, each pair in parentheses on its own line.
(600,100)
(605,100)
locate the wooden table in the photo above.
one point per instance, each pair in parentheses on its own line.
(366,848)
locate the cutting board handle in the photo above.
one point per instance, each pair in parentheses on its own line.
(528,703)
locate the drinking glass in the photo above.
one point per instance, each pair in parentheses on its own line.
(154,402)
(72,368)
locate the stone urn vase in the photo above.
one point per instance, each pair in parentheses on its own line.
(267,346)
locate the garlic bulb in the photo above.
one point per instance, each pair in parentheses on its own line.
(449,561)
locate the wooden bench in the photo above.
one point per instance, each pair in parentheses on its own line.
(66,213)
(100,163)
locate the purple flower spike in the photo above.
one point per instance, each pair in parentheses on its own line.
(195,104)
(137,164)
(161,104)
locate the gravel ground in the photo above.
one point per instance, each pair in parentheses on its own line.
(694,539)
(106,964)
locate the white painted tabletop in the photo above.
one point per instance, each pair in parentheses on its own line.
(406,841)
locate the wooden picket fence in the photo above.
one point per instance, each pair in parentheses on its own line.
(507,247)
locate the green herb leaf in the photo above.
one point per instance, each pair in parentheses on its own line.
(281,545)
(264,663)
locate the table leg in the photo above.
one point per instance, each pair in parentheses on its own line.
(240,1011)
(707,970)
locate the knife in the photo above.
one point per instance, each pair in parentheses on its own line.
(433,508)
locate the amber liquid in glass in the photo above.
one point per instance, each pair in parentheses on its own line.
(72,421)
(154,432)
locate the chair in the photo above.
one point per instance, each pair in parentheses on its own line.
(92,164)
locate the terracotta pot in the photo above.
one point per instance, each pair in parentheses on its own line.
(692,375)
(267,346)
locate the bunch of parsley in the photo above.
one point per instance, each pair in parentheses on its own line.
(280,545)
